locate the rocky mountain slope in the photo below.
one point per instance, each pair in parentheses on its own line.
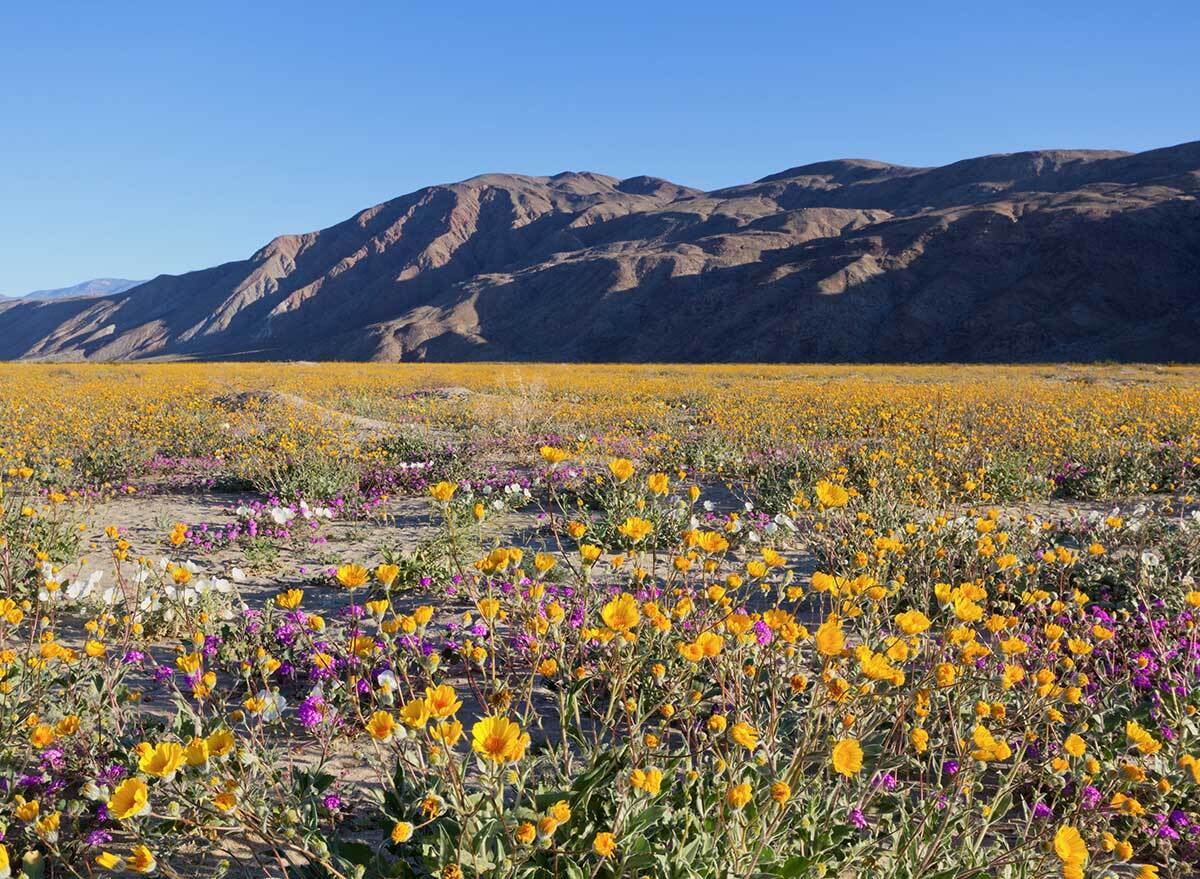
(1049,255)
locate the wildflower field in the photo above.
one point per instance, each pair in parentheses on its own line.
(408,620)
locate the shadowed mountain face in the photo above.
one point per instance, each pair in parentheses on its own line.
(1055,255)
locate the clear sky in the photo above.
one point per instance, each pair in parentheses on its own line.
(138,139)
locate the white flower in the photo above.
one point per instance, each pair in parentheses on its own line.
(282,515)
(273,704)
(81,589)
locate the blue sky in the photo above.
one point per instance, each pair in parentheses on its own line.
(138,139)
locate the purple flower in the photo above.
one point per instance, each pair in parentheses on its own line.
(311,711)
(98,838)
(887,781)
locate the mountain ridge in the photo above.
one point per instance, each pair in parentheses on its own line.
(1052,254)
(84,289)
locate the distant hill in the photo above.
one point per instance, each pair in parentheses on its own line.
(86,289)
(1046,255)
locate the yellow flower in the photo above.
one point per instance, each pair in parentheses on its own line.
(1146,743)
(1192,764)
(1071,851)
(830,494)
(552,455)
(196,752)
(352,576)
(442,700)
(945,674)
(498,739)
(104,860)
(745,735)
(387,574)
(621,614)
(163,760)
(781,792)
(448,732)
(739,795)
(443,491)
(415,713)
(648,780)
(402,832)
(130,799)
(226,802)
(912,622)
(621,469)
(635,528)
(289,600)
(42,736)
(848,757)
(829,638)
(560,812)
(381,726)
(220,743)
(526,833)
(1074,745)
(604,845)
(658,483)
(987,747)
(26,810)
(141,860)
